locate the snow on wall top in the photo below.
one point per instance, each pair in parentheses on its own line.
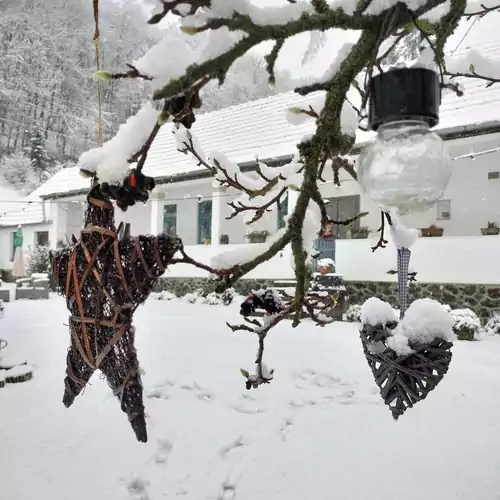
(260,128)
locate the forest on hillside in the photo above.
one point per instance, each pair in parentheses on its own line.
(48,96)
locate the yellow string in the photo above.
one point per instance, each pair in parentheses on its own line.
(97,45)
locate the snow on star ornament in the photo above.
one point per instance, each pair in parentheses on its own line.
(410,357)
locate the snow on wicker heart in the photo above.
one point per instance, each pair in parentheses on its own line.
(408,359)
(425,320)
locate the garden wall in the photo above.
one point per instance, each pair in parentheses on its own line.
(482,299)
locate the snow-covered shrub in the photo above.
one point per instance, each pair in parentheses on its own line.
(353,313)
(492,327)
(191,297)
(228,296)
(39,263)
(447,307)
(163,295)
(213,299)
(466,324)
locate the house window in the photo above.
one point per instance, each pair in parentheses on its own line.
(170,219)
(204,221)
(42,238)
(493,175)
(282,211)
(443,210)
(340,209)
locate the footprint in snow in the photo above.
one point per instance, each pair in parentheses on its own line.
(346,397)
(138,489)
(248,409)
(198,391)
(161,391)
(237,443)
(164,447)
(286,428)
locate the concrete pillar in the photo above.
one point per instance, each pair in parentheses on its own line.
(216,216)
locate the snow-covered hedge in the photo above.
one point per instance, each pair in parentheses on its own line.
(353,313)
(212,299)
(163,295)
(466,324)
(492,327)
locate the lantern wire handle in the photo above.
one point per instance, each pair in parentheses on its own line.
(404,255)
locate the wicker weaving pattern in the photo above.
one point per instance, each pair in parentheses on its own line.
(104,280)
(404,380)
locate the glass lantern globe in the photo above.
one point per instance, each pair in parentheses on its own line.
(406,168)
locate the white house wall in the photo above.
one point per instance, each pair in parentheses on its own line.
(184,195)
(138,217)
(29,241)
(475,200)
(455,259)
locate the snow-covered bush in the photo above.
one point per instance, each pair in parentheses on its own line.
(492,327)
(228,296)
(163,295)
(353,313)
(213,299)
(466,324)
(192,297)
(39,263)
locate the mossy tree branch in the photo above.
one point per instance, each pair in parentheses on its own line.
(328,142)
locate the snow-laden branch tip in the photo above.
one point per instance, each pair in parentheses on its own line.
(110,162)
(474,64)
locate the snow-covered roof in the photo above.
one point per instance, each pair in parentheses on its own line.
(260,128)
(30,212)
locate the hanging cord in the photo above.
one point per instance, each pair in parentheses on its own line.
(404,255)
(97,46)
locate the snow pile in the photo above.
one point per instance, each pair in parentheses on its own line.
(259,15)
(348,119)
(163,295)
(492,327)
(424,321)
(110,162)
(311,228)
(466,323)
(403,236)
(237,256)
(326,262)
(377,312)
(353,313)
(474,62)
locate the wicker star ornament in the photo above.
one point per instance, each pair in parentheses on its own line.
(104,279)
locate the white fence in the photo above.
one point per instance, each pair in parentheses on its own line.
(453,259)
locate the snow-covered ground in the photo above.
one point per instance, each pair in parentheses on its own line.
(319,431)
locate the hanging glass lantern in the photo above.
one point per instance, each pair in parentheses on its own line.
(406,167)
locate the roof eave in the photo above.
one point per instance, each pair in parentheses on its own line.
(448,134)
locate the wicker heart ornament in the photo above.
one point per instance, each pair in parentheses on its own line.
(408,358)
